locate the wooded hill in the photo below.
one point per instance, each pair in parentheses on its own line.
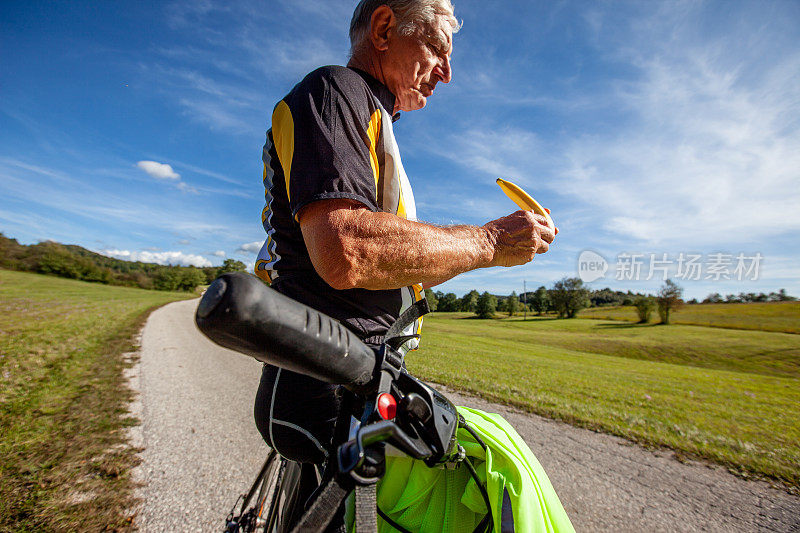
(76,262)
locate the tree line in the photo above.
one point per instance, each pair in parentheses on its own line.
(565,298)
(569,295)
(76,262)
(746,298)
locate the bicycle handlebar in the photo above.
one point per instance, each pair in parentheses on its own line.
(239,312)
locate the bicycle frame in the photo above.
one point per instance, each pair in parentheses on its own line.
(240,313)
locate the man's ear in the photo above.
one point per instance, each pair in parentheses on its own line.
(382,21)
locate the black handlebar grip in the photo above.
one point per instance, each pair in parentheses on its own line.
(239,312)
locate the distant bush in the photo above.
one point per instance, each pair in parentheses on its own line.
(645,305)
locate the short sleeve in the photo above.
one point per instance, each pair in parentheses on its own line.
(331,124)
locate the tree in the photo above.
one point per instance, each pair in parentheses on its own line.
(502,305)
(644,308)
(512,304)
(669,299)
(606,297)
(486,305)
(447,302)
(231,265)
(783,297)
(166,279)
(190,278)
(713,298)
(540,300)
(432,299)
(569,296)
(469,301)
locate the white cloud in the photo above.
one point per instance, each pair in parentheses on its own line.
(710,156)
(218,253)
(161,258)
(251,247)
(157,170)
(694,144)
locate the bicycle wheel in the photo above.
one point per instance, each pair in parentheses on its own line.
(273,503)
(255,504)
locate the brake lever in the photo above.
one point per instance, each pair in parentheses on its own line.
(352,454)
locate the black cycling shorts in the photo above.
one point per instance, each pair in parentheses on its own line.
(296,414)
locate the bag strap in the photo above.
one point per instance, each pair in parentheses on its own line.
(406,318)
(321,512)
(366,508)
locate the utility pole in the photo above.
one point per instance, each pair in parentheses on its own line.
(524,301)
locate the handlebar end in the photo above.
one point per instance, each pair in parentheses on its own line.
(212,298)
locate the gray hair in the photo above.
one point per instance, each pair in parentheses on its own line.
(411,14)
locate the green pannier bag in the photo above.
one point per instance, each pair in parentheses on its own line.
(447,500)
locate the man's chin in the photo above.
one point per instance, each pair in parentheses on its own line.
(415,103)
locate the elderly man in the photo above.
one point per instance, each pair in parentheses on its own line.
(342,234)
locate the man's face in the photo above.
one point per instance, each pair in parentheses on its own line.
(415,64)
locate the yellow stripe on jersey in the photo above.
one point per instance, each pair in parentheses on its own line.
(373,132)
(283,137)
(262,271)
(418,292)
(401,209)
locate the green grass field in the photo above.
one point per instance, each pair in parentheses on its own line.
(63,405)
(769,316)
(729,396)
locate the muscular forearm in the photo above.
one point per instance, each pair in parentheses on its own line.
(359,248)
(351,246)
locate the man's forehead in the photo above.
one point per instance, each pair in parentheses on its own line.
(441,30)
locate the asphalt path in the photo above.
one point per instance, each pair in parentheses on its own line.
(201,449)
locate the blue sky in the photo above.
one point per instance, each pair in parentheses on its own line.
(646,127)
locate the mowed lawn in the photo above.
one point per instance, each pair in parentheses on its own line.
(63,404)
(730,396)
(765,316)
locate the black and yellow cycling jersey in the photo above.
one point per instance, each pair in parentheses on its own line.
(332,138)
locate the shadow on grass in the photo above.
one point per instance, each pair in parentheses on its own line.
(627,325)
(511,319)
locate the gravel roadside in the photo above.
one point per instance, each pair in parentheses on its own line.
(201,449)
(201,446)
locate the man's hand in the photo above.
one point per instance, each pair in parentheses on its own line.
(518,237)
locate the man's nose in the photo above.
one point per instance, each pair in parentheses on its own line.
(443,70)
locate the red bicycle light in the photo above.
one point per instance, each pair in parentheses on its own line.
(387,406)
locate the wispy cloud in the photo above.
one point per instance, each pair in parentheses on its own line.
(218,77)
(693,144)
(41,189)
(251,247)
(160,258)
(711,154)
